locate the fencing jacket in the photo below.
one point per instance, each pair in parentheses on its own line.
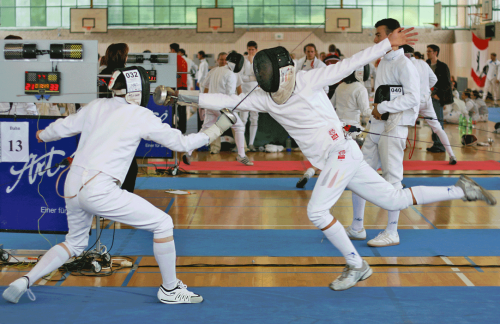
(221,80)
(111,130)
(350,100)
(248,77)
(396,69)
(427,78)
(308,115)
(493,70)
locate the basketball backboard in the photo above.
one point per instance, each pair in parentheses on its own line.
(343,20)
(85,20)
(222,19)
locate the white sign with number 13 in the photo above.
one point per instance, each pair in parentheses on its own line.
(14,138)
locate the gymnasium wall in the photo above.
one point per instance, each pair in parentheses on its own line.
(455,45)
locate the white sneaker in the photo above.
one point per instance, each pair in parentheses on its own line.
(244,160)
(350,276)
(16,289)
(178,295)
(355,235)
(473,191)
(384,238)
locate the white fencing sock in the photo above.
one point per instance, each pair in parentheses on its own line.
(239,138)
(392,222)
(358,212)
(165,256)
(52,260)
(253,133)
(310,173)
(428,195)
(446,142)
(338,237)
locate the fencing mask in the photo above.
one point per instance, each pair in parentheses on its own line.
(133,82)
(275,73)
(363,74)
(235,61)
(387,93)
(469,139)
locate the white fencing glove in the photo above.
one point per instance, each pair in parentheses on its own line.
(223,123)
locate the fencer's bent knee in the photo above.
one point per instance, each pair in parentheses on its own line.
(76,245)
(320,218)
(165,227)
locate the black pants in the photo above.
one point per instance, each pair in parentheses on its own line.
(181,114)
(439,113)
(129,182)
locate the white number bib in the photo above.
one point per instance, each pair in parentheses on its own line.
(14,138)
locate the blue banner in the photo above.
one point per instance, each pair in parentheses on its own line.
(22,184)
(150,149)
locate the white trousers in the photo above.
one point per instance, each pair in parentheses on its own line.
(491,86)
(427,110)
(254,123)
(103,196)
(345,167)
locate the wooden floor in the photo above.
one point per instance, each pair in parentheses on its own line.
(212,209)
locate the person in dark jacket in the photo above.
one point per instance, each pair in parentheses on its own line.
(115,58)
(441,93)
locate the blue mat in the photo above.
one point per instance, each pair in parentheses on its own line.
(491,183)
(283,243)
(302,305)
(494,114)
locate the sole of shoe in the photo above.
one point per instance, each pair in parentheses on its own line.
(301,183)
(373,245)
(173,303)
(356,238)
(490,199)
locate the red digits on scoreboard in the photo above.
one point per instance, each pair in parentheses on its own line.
(54,87)
(27,86)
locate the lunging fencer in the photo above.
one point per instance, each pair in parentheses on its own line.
(111,129)
(299,103)
(427,80)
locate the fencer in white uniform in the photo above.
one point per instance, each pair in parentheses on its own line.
(452,112)
(202,69)
(111,130)
(387,150)
(18,108)
(492,78)
(223,79)
(470,105)
(249,82)
(299,103)
(427,80)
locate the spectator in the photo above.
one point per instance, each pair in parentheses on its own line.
(418,55)
(453,83)
(182,68)
(442,94)
(322,56)
(192,69)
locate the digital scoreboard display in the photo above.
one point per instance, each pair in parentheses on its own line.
(152,76)
(40,83)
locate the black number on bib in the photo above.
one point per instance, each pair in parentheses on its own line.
(19,146)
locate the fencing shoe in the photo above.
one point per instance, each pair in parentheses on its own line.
(384,238)
(178,295)
(252,148)
(350,276)
(16,289)
(302,181)
(244,160)
(355,235)
(186,158)
(473,191)
(453,160)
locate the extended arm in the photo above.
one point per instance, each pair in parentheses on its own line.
(66,127)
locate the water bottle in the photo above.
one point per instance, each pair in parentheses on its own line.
(288,144)
(461,121)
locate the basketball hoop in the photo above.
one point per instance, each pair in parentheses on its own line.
(88,30)
(214,29)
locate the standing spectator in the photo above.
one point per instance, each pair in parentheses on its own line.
(418,55)
(442,94)
(332,58)
(182,68)
(310,61)
(453,83)
(492,78)
(322,56)
(200,77)
(250,82)
(192,69)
